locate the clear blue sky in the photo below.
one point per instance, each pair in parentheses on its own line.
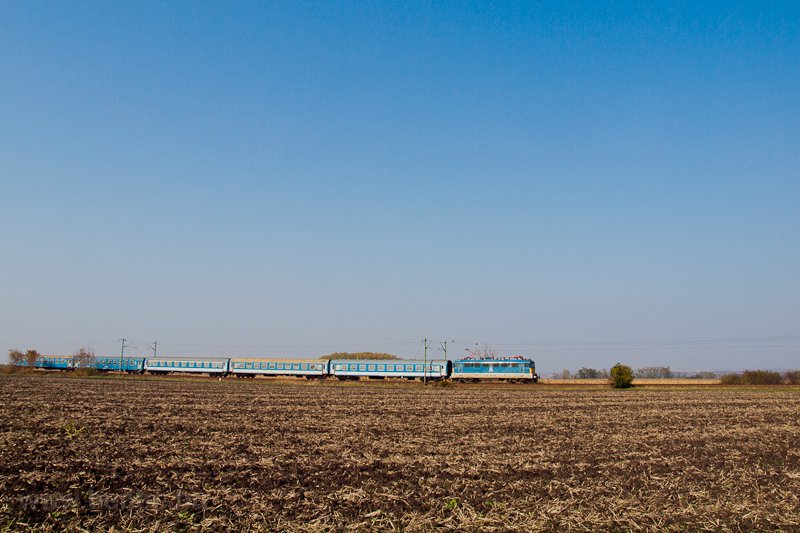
(586,183)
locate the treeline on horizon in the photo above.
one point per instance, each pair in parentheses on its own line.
(747,377)
(650,372)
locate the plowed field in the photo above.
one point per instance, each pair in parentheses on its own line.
(160,454)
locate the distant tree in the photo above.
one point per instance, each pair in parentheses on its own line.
(761,377)
(654,372)
(703,375)
(587,373)
(731,379)
(565,374)
(792,377)
(84,359)
(30,358)
(15,357)
(359,355)
(621,376)
(752,377)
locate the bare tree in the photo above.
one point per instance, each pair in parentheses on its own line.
(654,372)
(15,357)
(84,358)
(30,358)
(587,373)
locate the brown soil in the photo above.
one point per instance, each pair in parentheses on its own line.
(167,455)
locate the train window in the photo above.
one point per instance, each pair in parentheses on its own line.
(272,366)
(418,368)
(371,368)
(337,367)
(381,368)
(362,367)
(436,367)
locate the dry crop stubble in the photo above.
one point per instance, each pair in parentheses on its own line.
(262,455)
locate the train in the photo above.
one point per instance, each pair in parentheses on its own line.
(472,369)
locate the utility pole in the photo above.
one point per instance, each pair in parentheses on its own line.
(125,344)
(154,347)
(444,349)
(427,345)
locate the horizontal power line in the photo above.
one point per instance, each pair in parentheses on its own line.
(779,341)
(662,342)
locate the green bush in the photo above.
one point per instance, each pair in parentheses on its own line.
(621,376)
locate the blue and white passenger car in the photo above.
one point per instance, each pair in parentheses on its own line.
(389,368)
(115,364)
(508,368)
(163,365)
(53,362)
(252,367)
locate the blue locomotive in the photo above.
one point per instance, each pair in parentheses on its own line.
(511,369)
